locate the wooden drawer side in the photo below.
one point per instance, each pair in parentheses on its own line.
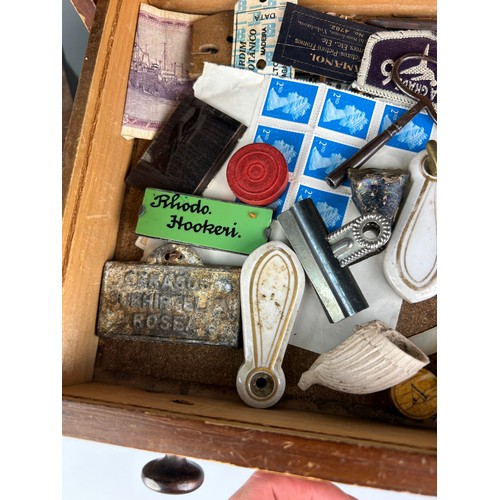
(92,210)
(321,426)
(422,8)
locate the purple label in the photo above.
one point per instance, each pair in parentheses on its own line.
(384,49)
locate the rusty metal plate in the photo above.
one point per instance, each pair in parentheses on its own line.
(171,297)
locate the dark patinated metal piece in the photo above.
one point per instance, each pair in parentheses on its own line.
(188,150)
(378,190)
(173,297)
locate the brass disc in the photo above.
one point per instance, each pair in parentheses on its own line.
(417,397)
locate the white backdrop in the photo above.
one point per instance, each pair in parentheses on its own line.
(97,471)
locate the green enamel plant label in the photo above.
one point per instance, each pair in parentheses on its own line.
(203,222)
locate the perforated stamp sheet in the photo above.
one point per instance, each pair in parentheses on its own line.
(317,128)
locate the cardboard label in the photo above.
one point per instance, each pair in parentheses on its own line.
(321,44)
(203,222)
(211,42)
(256,28)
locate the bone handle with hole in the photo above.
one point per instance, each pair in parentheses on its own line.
(410,262)
(272,284)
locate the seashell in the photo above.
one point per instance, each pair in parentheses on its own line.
(373,359)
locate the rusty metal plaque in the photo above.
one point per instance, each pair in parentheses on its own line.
(172,297)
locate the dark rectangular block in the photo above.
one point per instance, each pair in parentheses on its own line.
(188,150)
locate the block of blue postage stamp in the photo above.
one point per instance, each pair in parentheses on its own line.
(331,206)
(289,143)
(347,113)
(289,100)
(413,136)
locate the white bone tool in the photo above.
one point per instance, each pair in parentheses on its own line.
(272,284)
(410,262)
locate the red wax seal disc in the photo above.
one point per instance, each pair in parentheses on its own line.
(257,174)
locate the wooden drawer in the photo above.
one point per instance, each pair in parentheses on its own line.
(205,423)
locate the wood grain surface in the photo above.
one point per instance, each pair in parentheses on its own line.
(99,158)
(420,8)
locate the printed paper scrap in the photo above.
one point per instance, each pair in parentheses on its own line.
(158,77)
(256,28)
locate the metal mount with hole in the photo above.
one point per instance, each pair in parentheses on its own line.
(361,238)
(170,296)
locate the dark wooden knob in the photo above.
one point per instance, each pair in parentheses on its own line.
(172,475)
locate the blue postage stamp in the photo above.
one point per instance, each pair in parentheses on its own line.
(287,142)
(288,100)
(325,156)
(277,206)
(414,136)
(347,113)
(331,206)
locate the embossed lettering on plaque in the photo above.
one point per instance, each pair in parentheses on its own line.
(171,297)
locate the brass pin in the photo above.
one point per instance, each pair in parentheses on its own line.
(431,162)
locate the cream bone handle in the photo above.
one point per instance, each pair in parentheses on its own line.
(410,262)
(272,284)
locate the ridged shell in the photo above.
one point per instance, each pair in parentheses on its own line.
(373,359)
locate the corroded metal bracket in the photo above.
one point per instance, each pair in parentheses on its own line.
(171,296)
